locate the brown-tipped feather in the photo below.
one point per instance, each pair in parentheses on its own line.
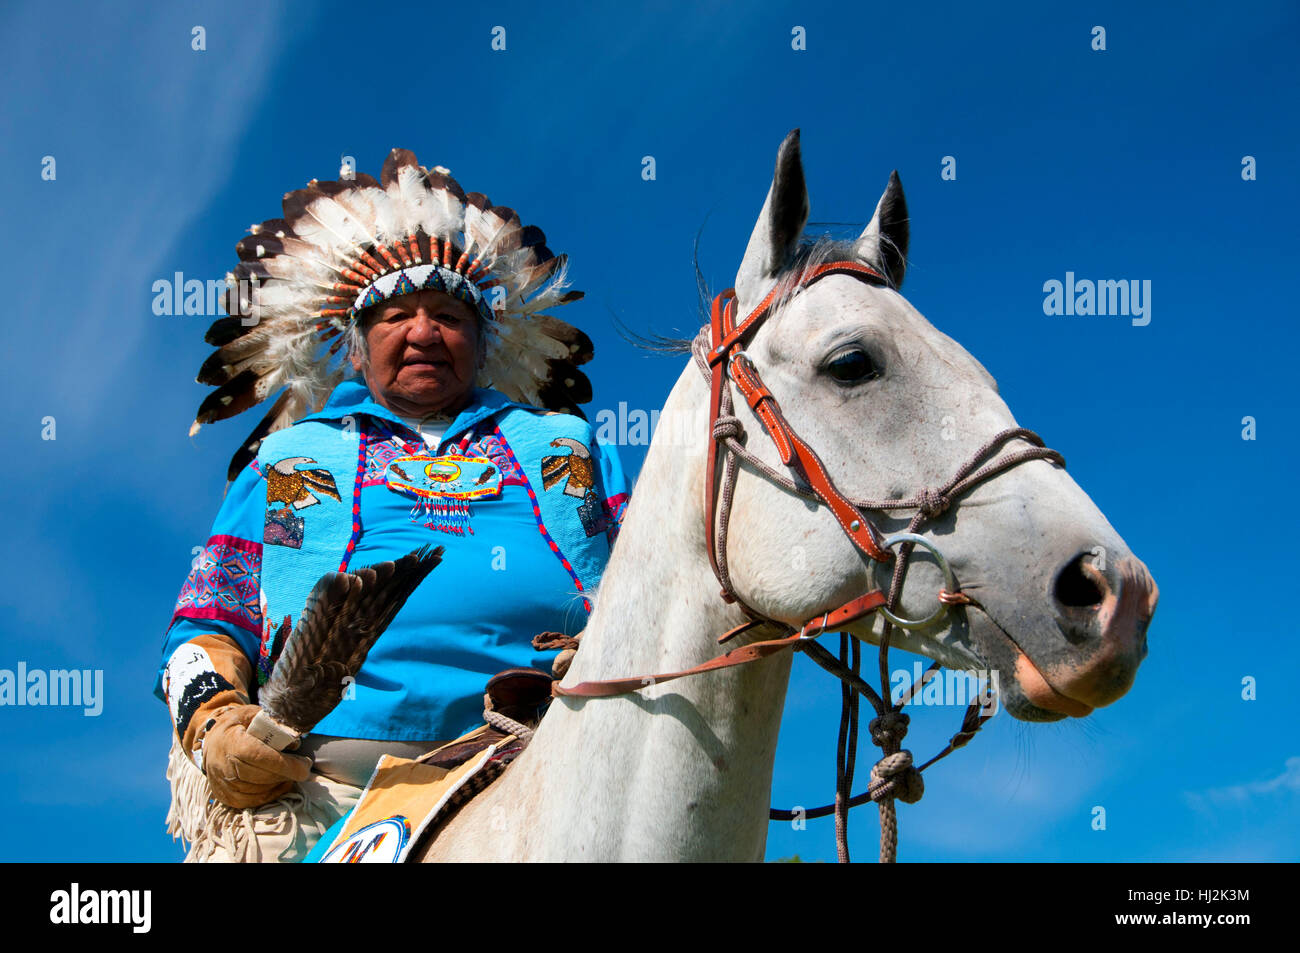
(234,397)
(581,350)
(556,393)
(441,181)
(254,269)
(295,204)
(533,237)
(215,371)
(332,188)
(272,226)
(225,330)
(251,344)
(253,442)
(247,247)
(396,159)
(344,616)
(570,380)
(505,238)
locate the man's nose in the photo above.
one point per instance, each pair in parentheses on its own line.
(423,330)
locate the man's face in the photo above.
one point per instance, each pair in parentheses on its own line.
(423,353)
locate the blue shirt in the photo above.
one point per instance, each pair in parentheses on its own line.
(523,548)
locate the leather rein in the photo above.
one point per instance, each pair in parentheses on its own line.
(723,358)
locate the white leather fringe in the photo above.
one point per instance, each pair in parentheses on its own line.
(283,831)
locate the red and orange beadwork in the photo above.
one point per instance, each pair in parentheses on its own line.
(364,271)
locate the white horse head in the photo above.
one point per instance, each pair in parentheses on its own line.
(892,405)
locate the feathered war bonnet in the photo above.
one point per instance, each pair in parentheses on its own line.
(345,246)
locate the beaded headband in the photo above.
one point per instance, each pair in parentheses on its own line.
(408,280)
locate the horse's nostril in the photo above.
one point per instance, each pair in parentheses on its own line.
(1076,584)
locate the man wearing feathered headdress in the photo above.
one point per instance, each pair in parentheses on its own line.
(424,397)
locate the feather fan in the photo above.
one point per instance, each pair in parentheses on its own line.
(343,617)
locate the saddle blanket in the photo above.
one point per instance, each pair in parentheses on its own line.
(404,799)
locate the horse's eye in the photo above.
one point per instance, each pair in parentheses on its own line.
(852,367)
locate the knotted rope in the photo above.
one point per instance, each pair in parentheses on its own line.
(508,725)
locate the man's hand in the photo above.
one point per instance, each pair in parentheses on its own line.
(242,771)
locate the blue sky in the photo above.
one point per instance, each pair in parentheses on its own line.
(1117,164)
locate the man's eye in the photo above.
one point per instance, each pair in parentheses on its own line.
(852,367)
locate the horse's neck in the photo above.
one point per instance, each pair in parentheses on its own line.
(679,771)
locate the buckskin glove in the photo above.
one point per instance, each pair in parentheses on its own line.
(242,771)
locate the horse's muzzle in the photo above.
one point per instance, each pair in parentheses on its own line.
(1103,615)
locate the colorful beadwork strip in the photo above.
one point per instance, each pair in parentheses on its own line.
(224,584)
(383,448)
(364,434)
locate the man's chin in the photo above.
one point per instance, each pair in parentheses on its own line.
(422,390)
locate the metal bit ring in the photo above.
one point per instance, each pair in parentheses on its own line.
(949,581)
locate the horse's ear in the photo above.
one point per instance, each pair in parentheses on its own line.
(776,234)
(883,244)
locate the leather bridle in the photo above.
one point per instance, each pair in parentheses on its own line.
(722,358)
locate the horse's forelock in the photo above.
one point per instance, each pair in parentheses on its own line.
(810,254)
(808,257)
